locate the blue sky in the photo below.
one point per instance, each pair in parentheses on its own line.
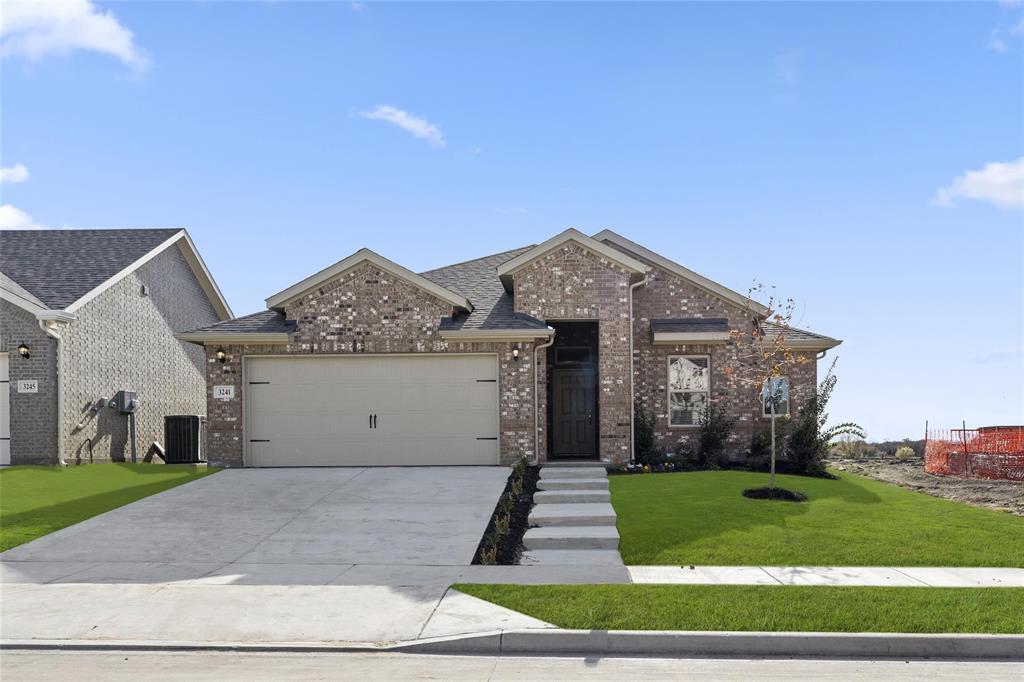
(864,158)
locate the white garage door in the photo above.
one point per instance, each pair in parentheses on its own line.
(371,410)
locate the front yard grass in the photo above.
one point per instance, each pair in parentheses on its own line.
(36,501)
(702,518)
(764,608)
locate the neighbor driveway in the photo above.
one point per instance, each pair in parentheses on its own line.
(264,555)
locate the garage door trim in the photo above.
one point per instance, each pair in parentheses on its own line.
(246,456)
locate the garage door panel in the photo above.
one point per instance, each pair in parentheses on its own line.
(314,411)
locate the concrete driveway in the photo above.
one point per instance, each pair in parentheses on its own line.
(410,525)
(265,555)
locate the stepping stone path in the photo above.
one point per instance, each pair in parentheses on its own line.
(572,521)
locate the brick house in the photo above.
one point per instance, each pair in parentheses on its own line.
(85,313)
(539,351)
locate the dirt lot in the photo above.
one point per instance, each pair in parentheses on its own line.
(1004,495)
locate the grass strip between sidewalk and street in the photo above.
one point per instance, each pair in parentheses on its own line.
(702,518)
(765,608)
(36,501)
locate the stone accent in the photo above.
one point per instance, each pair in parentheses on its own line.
(367,310)
(123,339)
(572,283)
(669,296)
(33,415)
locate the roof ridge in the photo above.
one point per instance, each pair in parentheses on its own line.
(474,260)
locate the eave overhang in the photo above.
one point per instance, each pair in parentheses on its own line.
(496,334)
(236,338)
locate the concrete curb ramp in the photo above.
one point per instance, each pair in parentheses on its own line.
(742,644)
(665,644)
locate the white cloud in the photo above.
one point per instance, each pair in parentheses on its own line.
(418,127)
(12,174)
(996,42)
(43,28)
(787,65)
(12,218)
(1001,183)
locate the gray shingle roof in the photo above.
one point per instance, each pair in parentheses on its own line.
(263,322)
(478,281)
(61,266)
(691,324)
(794,334)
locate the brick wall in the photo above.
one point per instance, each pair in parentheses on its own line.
(123,339)
(572,283)
(33,415)
(669,296)
(367,310)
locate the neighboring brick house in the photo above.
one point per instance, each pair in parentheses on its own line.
(540,351)
(84,314)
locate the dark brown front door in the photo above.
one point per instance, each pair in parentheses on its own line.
(574,403)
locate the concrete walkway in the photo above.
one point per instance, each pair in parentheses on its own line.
(819,575)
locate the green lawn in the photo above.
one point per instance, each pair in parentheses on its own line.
(701,518)
(35,501)
(774,608)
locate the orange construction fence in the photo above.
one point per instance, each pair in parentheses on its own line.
(991,452)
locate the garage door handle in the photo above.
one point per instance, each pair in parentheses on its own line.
(374,421)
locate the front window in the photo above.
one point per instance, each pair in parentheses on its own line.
(689,380)
(778,390)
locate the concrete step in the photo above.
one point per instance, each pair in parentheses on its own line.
(573,484)
(573,514)
(572,537)
(572,557)
(564,496)
(572,472)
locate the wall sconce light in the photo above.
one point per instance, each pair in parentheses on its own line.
(515,352)
(23,351)
(221,355)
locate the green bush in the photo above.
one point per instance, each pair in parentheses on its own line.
(715,427)
(904,452)
(810,441)
(643,437)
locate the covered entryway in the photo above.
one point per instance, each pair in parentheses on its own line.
(572,391)
(374,410)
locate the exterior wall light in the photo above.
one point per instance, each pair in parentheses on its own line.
(515,353)
(221,355)
(23,351)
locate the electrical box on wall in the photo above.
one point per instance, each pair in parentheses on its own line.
(125,402)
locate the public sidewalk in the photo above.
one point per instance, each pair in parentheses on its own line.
(865,576)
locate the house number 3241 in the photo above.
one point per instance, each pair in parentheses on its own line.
(223,392)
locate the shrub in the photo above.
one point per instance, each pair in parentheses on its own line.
(809,442)
(643,436)
(904,452)
(759,456)
(715,427)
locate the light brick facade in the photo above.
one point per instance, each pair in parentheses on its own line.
(121,339)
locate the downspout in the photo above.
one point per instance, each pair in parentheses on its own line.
(536,401)
(632,375)
(59,349)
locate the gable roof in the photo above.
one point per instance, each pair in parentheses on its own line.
(493,307)
(617,240)
(279,300)
(506,269)
(64,269)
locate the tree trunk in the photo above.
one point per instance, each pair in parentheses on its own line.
(771,479)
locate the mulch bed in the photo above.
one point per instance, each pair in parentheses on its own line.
(774,494)
(510,545)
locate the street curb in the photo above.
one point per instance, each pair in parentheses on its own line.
(668,644)
(739,644)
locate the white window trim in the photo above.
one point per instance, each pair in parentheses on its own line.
(767,414)
(669,391)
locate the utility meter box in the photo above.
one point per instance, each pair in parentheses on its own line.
(125,402)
